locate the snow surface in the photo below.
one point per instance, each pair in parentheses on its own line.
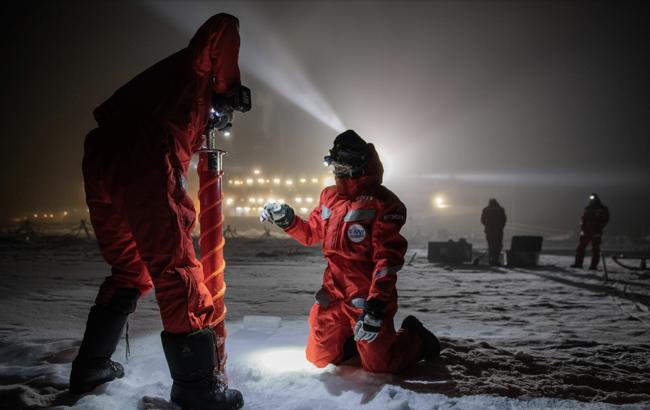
(540,338)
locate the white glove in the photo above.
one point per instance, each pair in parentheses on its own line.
(367,328)
(277,213)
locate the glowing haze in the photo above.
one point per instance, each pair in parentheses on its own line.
(537,104)
(263,55)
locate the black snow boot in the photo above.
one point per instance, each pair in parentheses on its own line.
(93,365)
(194,369)
(350,350)
(430,343)
(578,263)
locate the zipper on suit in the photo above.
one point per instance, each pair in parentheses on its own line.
(336,234)
(339,222)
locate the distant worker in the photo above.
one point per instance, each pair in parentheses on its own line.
(494,219)
(358,222)
(594,218)
(135,169)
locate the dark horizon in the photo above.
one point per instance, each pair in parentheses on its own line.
(535,103)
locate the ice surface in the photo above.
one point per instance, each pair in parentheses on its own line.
(264,324)
(512,339)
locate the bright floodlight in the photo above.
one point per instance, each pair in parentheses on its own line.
(226,133)
(440,202)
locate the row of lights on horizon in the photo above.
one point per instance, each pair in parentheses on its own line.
(45,215)
(439,201)
(277,181)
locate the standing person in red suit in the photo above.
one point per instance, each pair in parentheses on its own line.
(135,171)
(594,219)
(494,220)
(358,222)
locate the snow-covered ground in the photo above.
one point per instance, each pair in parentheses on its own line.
(541,338)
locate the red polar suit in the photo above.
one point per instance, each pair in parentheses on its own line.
(135,171)
(594,219)
(493,218)
(358,222)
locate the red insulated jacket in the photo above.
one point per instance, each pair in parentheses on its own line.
(493,218)
(172,98)
(358,222)
(594,218)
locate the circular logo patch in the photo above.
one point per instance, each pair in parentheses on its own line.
(356,233)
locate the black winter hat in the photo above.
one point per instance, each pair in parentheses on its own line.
(350,141)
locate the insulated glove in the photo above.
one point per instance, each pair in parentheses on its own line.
(277,213)
(369,323)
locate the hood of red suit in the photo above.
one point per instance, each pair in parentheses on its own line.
(367,183)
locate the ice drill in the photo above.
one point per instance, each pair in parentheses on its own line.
(211,240)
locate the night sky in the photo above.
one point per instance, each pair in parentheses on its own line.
(535,103)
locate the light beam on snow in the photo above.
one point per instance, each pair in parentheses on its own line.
(262,54)
(281,359)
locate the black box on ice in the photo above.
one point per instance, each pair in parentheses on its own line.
(524,251)
(450,252)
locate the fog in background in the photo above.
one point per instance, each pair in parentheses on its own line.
(534,103)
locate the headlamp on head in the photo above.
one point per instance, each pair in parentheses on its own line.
(347,162)
(594,198)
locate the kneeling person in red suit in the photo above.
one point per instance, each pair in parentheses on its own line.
(358,222)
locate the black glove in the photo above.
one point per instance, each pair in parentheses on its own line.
(277,213)
(369,323)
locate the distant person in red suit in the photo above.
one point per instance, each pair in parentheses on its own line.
(594,219)
(494,220)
